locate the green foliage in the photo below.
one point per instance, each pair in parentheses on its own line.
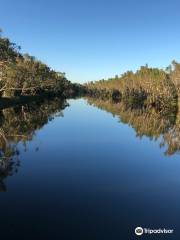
(25,75)
(147,86)
(8,50)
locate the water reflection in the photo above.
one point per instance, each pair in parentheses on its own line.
(19,124)
(146,122)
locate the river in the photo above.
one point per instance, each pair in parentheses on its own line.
(87,169)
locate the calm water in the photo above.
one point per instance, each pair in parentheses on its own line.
(81,172)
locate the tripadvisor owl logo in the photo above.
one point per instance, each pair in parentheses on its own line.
(139,231)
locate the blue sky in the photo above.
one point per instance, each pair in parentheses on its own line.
(95,39)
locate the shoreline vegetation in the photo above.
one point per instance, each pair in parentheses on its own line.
(31,94)
(23,77)
(147,88)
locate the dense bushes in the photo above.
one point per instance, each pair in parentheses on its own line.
(25,75)
(147,86)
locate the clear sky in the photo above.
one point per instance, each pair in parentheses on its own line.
(95,39)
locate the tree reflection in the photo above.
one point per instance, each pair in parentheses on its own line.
(20,124)
(156,125)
